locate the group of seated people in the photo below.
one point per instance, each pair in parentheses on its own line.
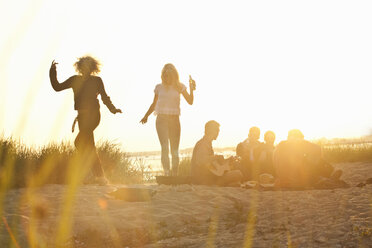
(293,163)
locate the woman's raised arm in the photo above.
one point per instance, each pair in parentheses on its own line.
(189,97)
(53,79)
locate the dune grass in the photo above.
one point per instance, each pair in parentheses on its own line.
(348,152)
(29,168)
(21,166)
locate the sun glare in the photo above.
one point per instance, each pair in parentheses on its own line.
(276,65)
(276,80)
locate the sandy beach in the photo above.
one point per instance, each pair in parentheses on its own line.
(196,216)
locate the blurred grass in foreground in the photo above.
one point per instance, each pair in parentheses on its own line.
(30,168)
(21,165)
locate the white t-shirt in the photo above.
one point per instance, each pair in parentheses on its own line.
(168,99)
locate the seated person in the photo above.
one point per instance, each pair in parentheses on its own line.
(245,149)
(266,154)
(249,152)
(299,163)
(204,160)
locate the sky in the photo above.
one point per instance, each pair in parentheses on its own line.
(277,65)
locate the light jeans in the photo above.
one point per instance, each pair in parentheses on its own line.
(169,131)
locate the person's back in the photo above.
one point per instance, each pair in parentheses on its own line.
(298,162)
(288,159)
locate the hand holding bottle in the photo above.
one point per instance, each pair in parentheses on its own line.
(192,83)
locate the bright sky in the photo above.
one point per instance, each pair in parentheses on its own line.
(274,64)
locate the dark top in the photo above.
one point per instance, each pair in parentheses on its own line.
(266,158)
(249,150)
(85,91)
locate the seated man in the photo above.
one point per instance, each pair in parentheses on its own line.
(249,153)
(299,163)
(246,148)
(204,161)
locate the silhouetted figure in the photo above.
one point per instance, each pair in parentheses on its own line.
(249,153)
(299,163)
(166,105)
(204,161)
(266,154)
(86,88)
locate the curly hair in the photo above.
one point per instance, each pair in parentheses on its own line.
(89,62)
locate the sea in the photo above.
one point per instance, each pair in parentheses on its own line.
(151,161)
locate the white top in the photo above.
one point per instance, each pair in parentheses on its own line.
(168,99)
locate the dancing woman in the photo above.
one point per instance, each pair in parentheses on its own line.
(86,88)
(166,105)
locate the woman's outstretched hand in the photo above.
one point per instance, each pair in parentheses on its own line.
(144,120)
(118,111)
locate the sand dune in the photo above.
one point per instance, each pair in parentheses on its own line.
(198,216)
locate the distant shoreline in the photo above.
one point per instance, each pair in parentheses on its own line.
(184,151)
(324,143)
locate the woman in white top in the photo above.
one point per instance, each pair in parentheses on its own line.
(166,105)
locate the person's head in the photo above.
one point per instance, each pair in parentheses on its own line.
(169,75)
(269,137)
(212,129)
(254,134)
(295,134)
(87,65)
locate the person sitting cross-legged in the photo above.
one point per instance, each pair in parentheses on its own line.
(208,168)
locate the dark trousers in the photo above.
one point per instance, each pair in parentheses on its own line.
(84,142)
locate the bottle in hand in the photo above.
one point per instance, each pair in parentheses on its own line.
(192,83)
